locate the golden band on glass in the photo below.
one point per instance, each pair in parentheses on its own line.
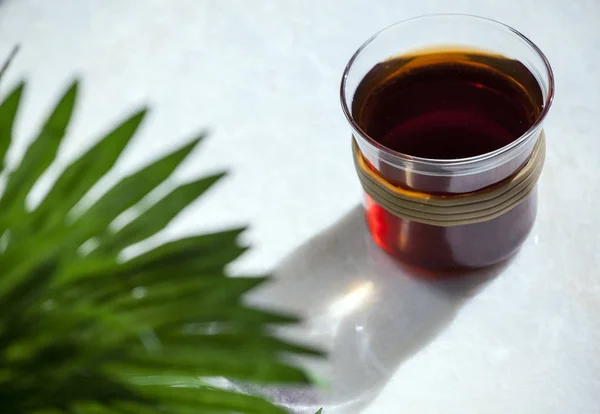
(453,210)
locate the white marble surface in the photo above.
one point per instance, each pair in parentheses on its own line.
(263,75)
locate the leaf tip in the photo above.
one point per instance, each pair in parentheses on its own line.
(73,88)
(140,115)
(237,232)
(203,134)
(67,101)
(10,58)
(15,49)
(193,143)
(17,91)
(220,175)
(213,178)
(21,85)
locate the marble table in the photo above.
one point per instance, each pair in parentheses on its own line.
(263,75)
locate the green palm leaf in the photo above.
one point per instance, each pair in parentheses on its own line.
(79,177)
(8,60)
(82,331)
(38,157)
(8,112)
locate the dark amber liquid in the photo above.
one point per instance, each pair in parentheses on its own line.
(448,105)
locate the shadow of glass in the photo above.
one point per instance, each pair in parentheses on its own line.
(370,312)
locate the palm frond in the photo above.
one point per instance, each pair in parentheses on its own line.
(87,332)
(8,60)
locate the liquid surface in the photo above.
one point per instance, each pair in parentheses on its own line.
(447,105)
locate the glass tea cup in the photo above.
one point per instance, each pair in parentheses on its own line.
(443,109)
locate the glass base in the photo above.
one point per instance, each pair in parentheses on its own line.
(469,246)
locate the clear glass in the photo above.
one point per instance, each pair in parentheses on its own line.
(472,245)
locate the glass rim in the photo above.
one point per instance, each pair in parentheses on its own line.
(459,162)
